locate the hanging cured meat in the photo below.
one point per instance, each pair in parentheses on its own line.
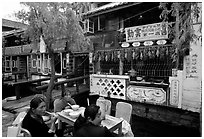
(153,53)
(137,54)
(145,54)
(162,53)
(122,55)
(141,54)
(133,54)
(157,52)
(129,54)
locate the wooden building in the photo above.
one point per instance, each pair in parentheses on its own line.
(23,60)
(15,51)
(133,60)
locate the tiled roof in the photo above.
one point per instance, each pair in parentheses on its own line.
(106,7)
(13,24)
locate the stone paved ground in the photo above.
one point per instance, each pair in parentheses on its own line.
(143,127)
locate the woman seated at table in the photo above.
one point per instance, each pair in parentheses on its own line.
(61,103)
(33,120)
(89,125)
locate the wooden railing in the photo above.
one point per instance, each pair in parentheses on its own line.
(62,84)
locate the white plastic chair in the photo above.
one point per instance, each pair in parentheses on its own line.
(123,110)
(16,129)
(105,105)
(19,118)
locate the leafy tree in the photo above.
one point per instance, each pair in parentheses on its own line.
(54,21)
(184,13)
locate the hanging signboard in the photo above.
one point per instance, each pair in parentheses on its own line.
(147,32)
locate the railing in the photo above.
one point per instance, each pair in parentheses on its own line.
(76,80)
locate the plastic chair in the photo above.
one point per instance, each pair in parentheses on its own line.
(24,133)
(123,110)
(104,104)
(19,118)
(16,129)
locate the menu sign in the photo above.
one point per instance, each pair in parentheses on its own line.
(147,32)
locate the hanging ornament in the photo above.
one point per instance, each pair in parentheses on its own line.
(153,53)
(167,51)
(149,53)
(145,54)
(99,57)
(137,54)
(126,53)
(118,54)
(162,53)
(133,53)
(141,55)
(122,54)
(94,55)
(103,56)
(129,55)
(106,56)
(157,52)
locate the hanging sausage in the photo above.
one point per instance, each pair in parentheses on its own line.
(122,55)
(129,54)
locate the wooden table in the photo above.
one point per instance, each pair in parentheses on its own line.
(112,123)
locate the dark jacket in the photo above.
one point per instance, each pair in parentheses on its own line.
(35,127)
(91,130)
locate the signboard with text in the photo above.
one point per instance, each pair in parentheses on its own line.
(147,32)
(146,94)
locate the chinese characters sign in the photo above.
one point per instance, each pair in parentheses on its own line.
(174,94)
(147,32)
(146,94)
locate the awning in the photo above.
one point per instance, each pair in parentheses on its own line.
(15,50)
(18,50)
(106,8)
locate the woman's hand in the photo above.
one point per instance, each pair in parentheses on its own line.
(53,118)
(67,107)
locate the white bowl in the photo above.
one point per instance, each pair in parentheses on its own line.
(74,114)
(67,111)
(75,107)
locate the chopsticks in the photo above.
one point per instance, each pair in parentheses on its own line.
(69,104)
(49,113)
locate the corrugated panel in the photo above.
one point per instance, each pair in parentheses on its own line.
(105,7)
(16,50)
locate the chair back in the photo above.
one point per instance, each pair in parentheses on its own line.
(57,105)
(19,118)
(105,105)
(16,129)
(123,110)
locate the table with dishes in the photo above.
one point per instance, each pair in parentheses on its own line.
(69,116)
